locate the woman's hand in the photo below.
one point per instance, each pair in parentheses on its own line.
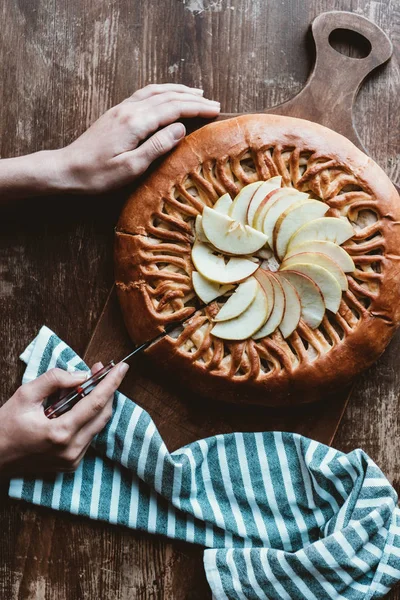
(110,153)
(32,443)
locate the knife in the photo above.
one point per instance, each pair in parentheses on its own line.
(58,405)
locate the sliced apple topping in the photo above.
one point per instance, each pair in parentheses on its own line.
(231,236)
(292,312)
(240,204)
(264,279)
(262,208)
(208,290)
(322,260)
(329,287)
(261,196)
(199,231)
(223,204)
(205,289)
(278,308)
(302,270)
(311,300)
(292,219)
(328,229)
(214,268)
(243,326)
(240,300)
(330,249)
(280,201)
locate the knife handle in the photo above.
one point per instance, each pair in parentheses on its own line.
(58,405)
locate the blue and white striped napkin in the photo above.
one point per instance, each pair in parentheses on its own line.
(280,516)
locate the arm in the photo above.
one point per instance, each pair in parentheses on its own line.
(116,149)
(110,153)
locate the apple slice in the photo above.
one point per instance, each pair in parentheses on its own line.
(281,201)
(240,300)
(292,314)
(263,191)
(198,228)
(231,236)
(316,258)
(240,204)
(330,289)
(243,326)
(278,309)
(213,267)
(292,219)
(258,217)
(208,290)
(330,229)
(223,204)
(264,279)
(330,249)
(311,300)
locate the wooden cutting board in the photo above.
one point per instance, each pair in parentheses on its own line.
(180,415)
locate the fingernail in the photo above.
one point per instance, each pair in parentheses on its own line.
(197,91)
(215,102)
(178,131)
(98,365)
(123,369)
(79,375)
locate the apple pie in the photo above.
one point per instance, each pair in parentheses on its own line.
(289,234)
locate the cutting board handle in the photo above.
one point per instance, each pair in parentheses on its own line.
(330,59)
(332,87)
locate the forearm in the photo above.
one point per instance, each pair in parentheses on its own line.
(33,175)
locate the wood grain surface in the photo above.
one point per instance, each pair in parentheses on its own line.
(63,64)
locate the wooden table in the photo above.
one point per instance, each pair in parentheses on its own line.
(63,64)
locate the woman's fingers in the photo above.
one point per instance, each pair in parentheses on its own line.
(35,391)
(157,145)
(150,118)
(96,367)
(52,381)
(155,89)
(85,435)
(172,110)
(166,97)
(81,440)
(74,442)
(92,405)
(163,141)
(139,159)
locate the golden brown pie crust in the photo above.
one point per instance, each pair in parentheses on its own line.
(153,264)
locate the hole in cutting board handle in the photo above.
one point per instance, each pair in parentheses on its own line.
(350,43)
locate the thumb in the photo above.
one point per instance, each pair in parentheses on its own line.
(157,145)
(51,381)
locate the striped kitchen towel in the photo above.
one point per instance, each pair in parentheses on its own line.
(280,516)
